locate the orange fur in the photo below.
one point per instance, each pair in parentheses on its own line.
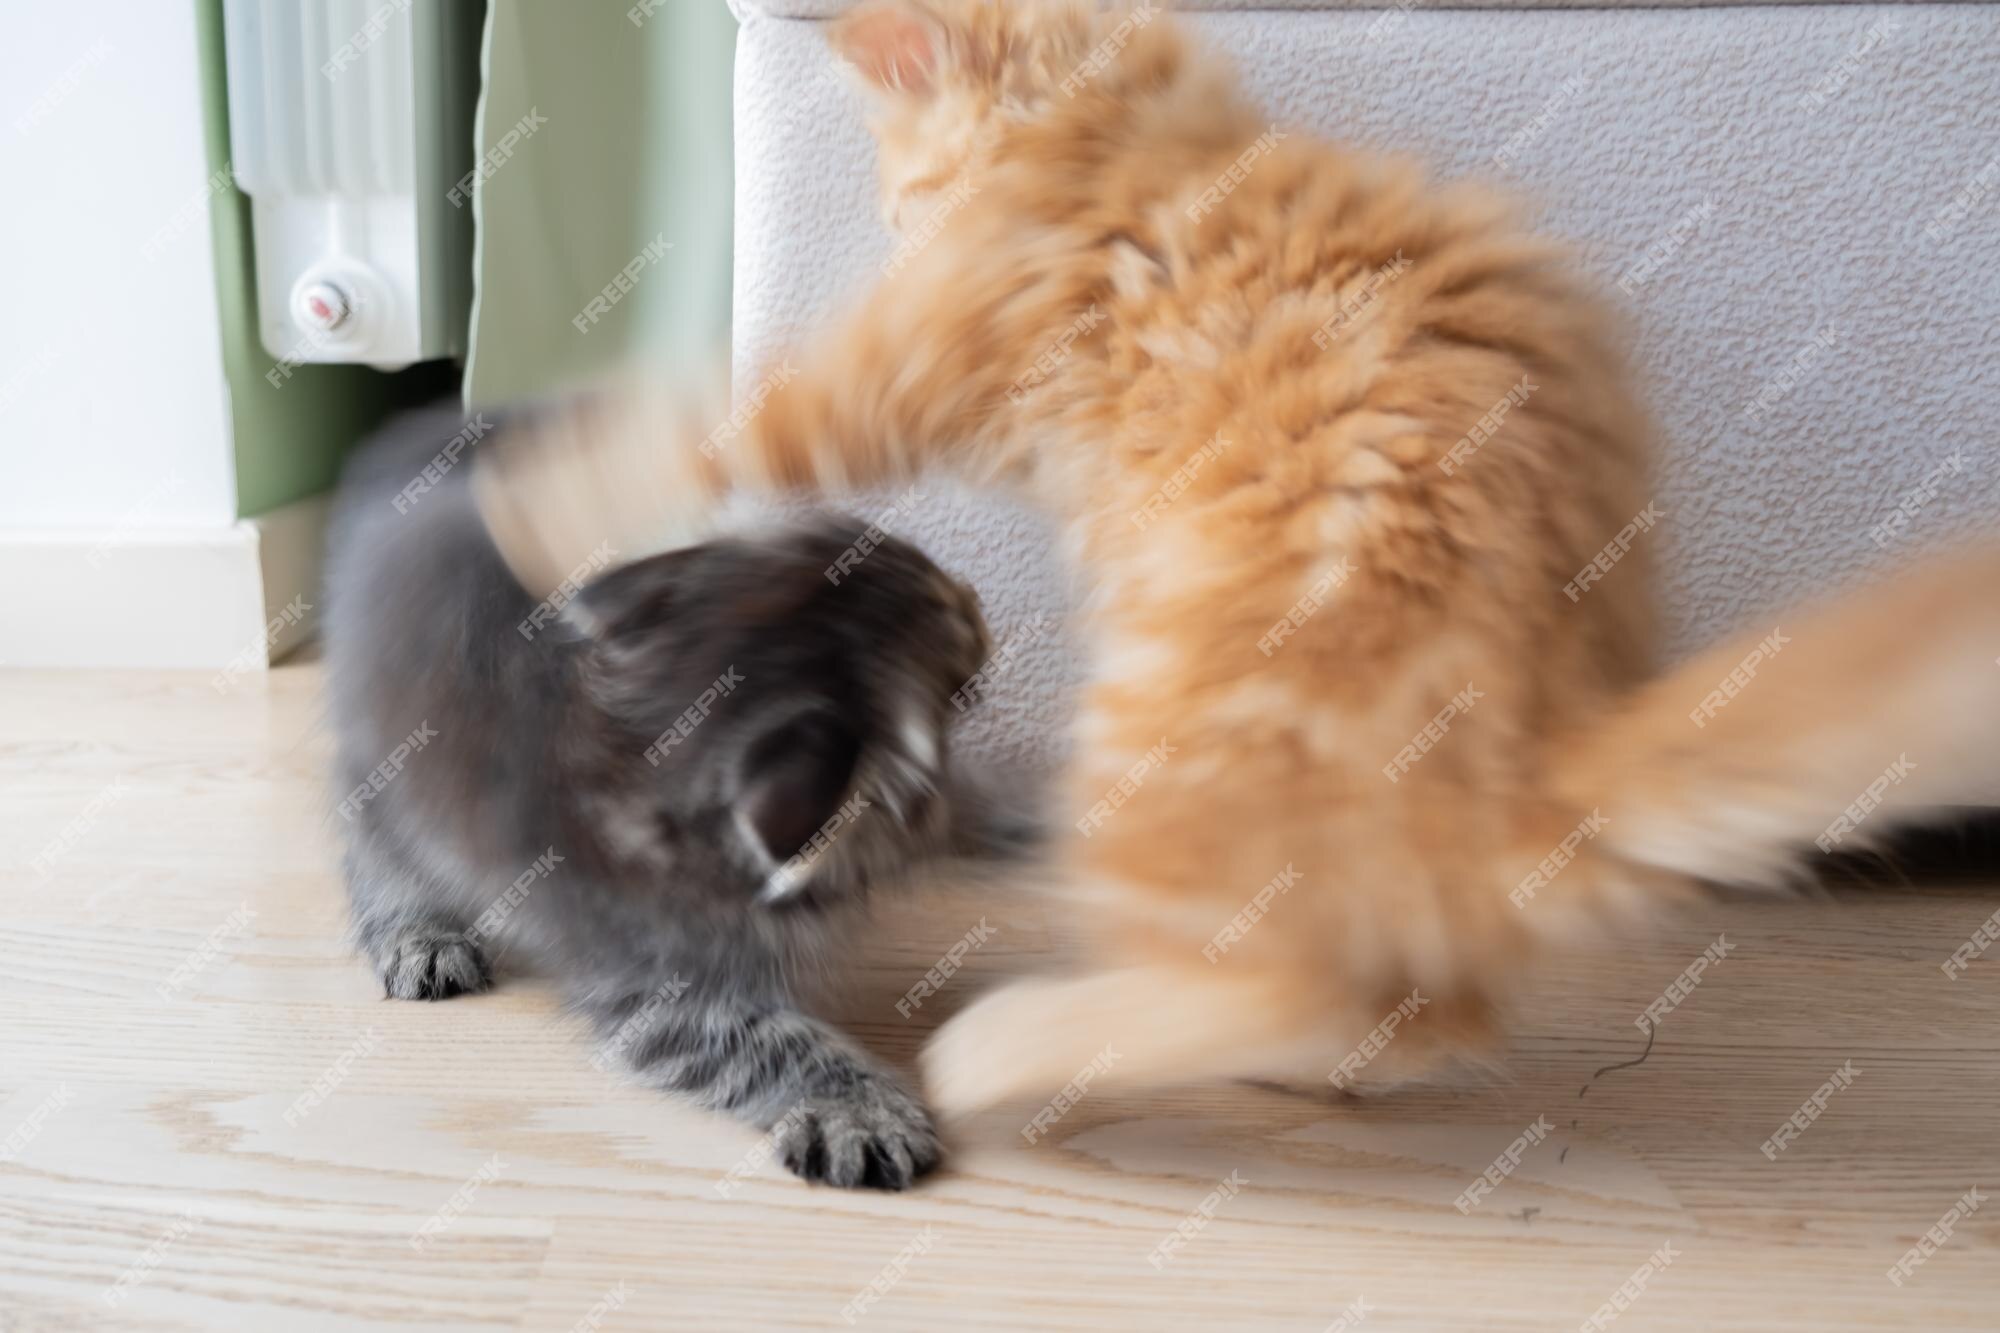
(1042,197)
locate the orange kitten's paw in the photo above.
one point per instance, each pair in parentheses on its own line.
(1025,1039)
(590,479)
(1128,1026)
(966,1065)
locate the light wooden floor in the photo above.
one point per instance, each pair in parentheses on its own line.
(147,1136)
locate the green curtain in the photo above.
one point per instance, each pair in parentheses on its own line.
(617,176)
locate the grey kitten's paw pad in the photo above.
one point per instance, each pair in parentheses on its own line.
(871,1136)
(434,966)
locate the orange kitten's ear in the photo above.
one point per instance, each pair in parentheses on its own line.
(892,43)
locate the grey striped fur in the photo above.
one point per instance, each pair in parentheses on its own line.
(536,823)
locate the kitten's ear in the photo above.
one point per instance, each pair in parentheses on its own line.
(794,778)
(895,45)
(631,597)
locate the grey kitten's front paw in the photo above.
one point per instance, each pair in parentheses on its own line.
(871,1134)
(433,965)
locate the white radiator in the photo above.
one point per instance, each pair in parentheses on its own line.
(350,124)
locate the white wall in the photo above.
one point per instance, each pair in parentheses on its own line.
(113,408)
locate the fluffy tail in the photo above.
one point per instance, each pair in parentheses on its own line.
(1826,728)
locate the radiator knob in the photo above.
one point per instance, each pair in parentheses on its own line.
(320,306)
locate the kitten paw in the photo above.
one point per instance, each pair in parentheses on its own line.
(434,965)
(872,1135)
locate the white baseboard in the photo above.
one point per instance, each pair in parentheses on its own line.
(229,599)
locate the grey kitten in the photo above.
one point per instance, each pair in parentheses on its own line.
(667,795)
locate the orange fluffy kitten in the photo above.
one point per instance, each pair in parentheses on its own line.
(1358,488)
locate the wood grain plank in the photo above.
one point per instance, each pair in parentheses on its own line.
(134,1122)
